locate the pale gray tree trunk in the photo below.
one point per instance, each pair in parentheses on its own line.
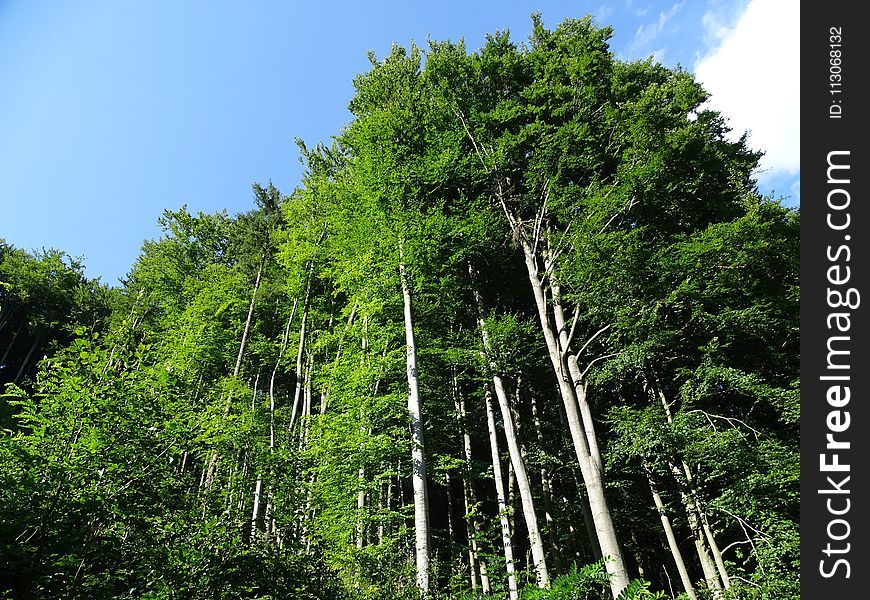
(501,497)
(476,563)
(255,513)
(360,507)
(250,318)
(701,527)
(711,576)
(669,534)
(523,486)
(213,462)
(418,458)
(270,501)
(589,463)
(300,350)
(522,479)
(547,494)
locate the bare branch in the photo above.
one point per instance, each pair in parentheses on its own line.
(628,205)
(591,339)
(730,420)
(743,525)
(539,217)
(600,358)
(472,138)
(574,320)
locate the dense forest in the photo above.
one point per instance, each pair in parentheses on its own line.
(525,329)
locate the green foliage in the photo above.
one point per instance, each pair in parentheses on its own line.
(43,297)
(589,582)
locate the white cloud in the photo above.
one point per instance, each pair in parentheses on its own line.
(603,13)
(753,76)
(645,34)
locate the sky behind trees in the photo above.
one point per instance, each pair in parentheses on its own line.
(113,111)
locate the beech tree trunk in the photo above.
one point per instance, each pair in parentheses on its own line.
(250,318)
(213,462)
(585,446)
(418,458)
(669,534)
(517,461)
(501,497)
(476,563)
(547,494)
(297,393)
(700,524)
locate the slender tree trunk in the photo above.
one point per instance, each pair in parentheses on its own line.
(26,363)
(258,486)
(360,507)
(269,522)
(299,354)
(511,495)
(517,461)
(501,496)
(547,494)
(711,539)
(523,485)
(237,369)
(213,462)
(589,466)
(706,560)
(12,342)
(324,396)
(583,501)
(255,513)
(450,526)
(307,400)
(418,459)
(691,492)
(672,540)
(476,563)
(384,506)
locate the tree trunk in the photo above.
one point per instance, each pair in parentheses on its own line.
(589,467)
(706,560)
(672,540)
(360,507)
(27,359)
(692,493)
(583,501)
(418,458)
(525,489)
(501,496)
(255,513)
(299,354)
(476,564)
(324,396)
(237,369)
(547,494)
(269,522)
(523,485)
(213,462)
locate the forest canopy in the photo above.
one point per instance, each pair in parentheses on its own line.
(525,329)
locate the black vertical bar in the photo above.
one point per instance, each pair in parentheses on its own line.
(835,370)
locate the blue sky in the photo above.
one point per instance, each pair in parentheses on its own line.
(111,110)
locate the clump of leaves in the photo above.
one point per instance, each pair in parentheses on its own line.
(589,582)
